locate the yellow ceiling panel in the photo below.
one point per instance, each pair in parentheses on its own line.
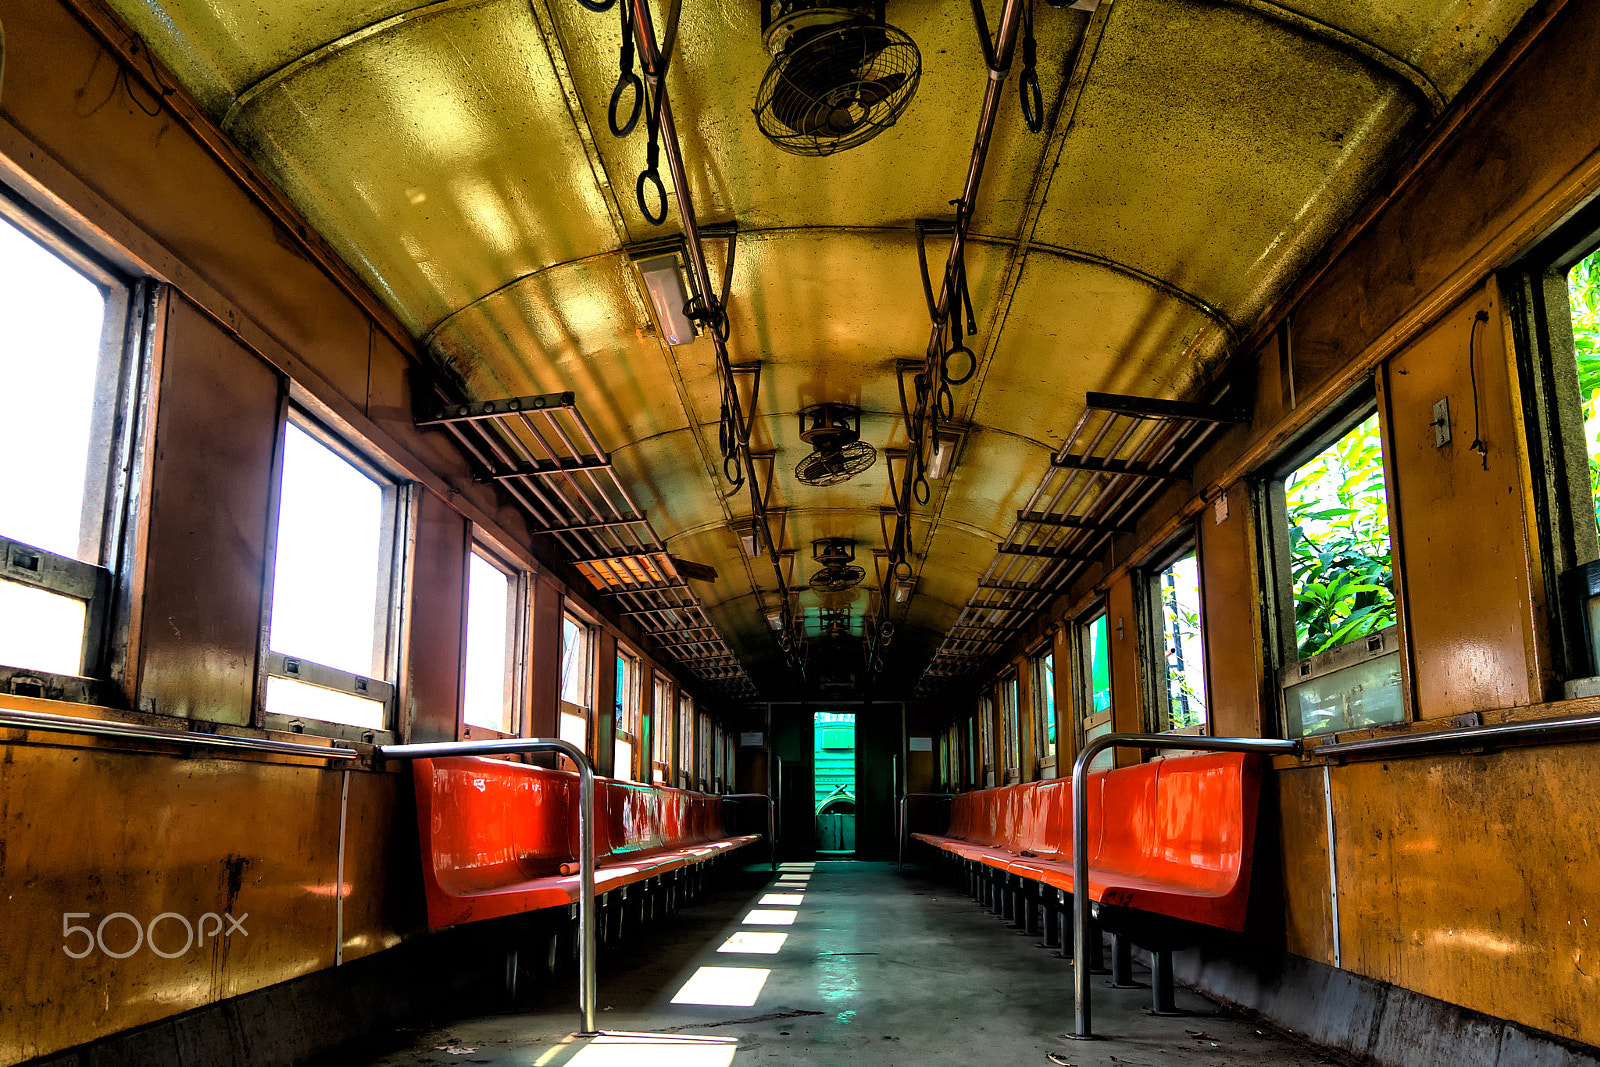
(1446,40)
(439,157)
(1078,326)
(737,174)
(1217,149)
(578,326)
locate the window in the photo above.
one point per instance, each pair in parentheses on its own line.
(685,764)
(1334,584)
(577,667)
(971,776)
(1011,727)
(986,737)
(68,330)
(1178,646)
(1042,690)
(626,741)
(703,773)
(1094,683)
(661,732)
(334,585)
(490,685)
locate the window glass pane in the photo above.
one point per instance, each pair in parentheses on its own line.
(1583,292)
(1009,723)
(1178,587)
(574,662)
(1043,681)
(287,697)
(491,633)
(622,759)
(661,729)
(1099,665)
(52,319)
(574,730)
(1339,543)
(41,630)
(329,593)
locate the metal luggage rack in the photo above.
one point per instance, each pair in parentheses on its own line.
(1122,450)
(541,449)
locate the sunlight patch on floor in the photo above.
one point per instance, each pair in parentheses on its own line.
(733,987)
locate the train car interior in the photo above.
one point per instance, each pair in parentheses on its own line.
(717,532)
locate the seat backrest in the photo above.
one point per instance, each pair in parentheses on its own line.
(486,821)
(1205,818)
(1126,842)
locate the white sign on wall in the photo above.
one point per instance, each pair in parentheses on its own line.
(922,744)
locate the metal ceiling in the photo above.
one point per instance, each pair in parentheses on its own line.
(1195,155)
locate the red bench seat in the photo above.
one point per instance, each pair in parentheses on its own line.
(1173,836)
(501,838)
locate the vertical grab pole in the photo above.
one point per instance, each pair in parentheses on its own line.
(1082,1030)
(1081,1027)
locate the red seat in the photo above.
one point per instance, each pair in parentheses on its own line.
(497,837)
(1173,836)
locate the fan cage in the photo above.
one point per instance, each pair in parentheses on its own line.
(837,579)
(839,118)
(825,468)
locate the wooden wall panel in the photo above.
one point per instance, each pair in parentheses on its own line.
(1122,636)
(1303,829)
(1234,667)
(1471,879)
(437,629)
(100,831)
(210,511)
(1462,525)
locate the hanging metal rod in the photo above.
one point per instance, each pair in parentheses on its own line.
(655,73)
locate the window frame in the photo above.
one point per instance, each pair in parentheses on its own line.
(1364,400)
(683,766)
(399,519)
(1153,633)
(1008,699)
(987,752)
(629,712)
(126,399)
(519,617)
(1086,717)
(564,707)
(1042,697)
(1538,302)
(662,730)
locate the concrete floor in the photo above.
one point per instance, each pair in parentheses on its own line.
(876,966)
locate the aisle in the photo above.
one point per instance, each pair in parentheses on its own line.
(841,962)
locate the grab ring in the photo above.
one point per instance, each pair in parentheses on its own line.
(651,177)
(626,81)
(944,366)
(946,402)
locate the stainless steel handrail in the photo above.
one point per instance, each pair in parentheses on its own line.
(772,821)
(1465,735)
(1080,833)
(170,735)
(900,834)
(588,981)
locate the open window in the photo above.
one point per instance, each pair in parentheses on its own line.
(491,687)
(1042,693)
(1010,727)
(625,746)
(1175,639)
(1555,294)
(1092,682)
(661,732)
(577,680)
(335,587)
(1333,589)
(71,331)
(685,763)
(986,739)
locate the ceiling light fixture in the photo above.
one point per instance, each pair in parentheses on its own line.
(945,445)
(749,537)
(903,588)
(663,280)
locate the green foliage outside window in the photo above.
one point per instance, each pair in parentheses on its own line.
(1583,289)
(1339,543)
